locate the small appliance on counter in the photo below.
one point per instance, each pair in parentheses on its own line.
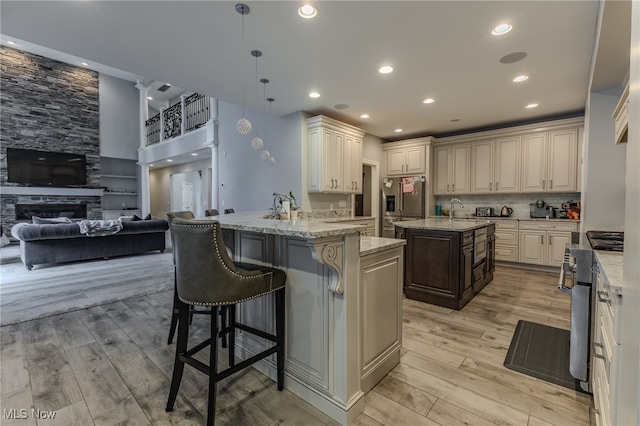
(561,213)
(540,209)
(485,212)
(506,211)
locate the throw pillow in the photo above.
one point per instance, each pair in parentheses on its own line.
(135,218)
(125,218)
(148,217)
(53,220)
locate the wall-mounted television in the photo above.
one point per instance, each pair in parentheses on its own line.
(44,168)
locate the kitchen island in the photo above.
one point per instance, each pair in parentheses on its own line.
(447,263)
(343,306)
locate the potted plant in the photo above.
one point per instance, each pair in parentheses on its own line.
(293,213)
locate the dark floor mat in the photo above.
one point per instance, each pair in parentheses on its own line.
(541,351)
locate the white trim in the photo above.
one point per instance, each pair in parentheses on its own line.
(375,191)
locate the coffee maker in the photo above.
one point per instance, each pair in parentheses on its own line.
(540,209)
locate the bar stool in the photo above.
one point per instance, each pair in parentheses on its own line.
(185,214)
(211,212)
(208,277)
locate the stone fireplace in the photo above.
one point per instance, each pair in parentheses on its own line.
(71,211)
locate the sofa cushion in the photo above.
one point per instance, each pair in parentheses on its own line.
(30,232)
(49,220)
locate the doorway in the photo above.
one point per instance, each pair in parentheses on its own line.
(186,192)
(368,203)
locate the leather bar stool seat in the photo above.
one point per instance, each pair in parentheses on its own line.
(211,212)
(206,276)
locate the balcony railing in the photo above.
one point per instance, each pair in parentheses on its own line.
(191,113)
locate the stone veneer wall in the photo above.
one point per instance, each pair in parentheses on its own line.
(48,105)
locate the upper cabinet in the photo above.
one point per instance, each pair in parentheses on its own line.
(334,156)
(404,158)
(541,157)
(550,161)
(451,169)
(621,118)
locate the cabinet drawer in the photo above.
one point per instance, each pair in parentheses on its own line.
(506,237)
(506,224)
(509,254)
(548,226)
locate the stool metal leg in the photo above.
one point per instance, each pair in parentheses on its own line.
(174,311)
(231,310)
(181,348)
(213,367)
(280,309)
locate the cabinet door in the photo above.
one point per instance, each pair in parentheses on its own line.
(562,160)
(507,165)
(328,161)
(441,172)
(315,146)
(357,165)
(534,163)
(532,247)
(460,169)
(556,242)
(416,159)
(349,164)
(396,159)
(337,165)
(482,168)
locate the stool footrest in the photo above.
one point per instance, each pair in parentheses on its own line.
(204,368)
(255,331)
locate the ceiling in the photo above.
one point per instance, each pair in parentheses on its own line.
(438,49)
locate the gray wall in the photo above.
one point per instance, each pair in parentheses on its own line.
(246,181)
(603,190)
(119,118)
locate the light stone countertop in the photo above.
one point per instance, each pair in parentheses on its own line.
(443,224)
(370,245)
(304,228)
(611,263)
(519,219)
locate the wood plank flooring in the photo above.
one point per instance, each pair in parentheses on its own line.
(110,365)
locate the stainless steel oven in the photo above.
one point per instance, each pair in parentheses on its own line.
(479,245)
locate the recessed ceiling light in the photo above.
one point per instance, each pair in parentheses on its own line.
(501,29)
(513,57)
(195,154)
(398,130)
(531,106)
(454,120)
(428,101)
(150,98)
(341,106)
(169,160)
(314,95)
(385,69)
(364,116)
(521,78)
(11,42)
(85,64)
(307,11)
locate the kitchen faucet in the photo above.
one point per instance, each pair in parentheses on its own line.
(451,209)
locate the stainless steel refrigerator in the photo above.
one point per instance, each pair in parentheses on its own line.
(403,198)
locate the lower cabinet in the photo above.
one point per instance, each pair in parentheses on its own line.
(506,240)
(544,243)
(439,267)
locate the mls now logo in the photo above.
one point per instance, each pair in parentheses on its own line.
(17,414)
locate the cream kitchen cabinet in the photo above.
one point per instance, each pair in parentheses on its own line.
(406,159)
(549,161)
(451,171)
(506,234)
(334,156)
(495,166)
(543,243)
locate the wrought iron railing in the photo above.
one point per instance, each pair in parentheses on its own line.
(191,113)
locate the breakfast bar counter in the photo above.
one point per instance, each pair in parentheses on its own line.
(343,306)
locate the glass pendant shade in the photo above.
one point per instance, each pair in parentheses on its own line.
(243,126)
(265,155)
(257,143)
(272,161)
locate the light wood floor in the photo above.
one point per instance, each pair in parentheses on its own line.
(110,365)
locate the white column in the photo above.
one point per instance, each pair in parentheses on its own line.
(215,181)
(143,111)
(145,198)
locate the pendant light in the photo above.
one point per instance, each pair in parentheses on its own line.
(243,126)
(271,159)
(257,143)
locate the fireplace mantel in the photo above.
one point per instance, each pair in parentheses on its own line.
(37,190)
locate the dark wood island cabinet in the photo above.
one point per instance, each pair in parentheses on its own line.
(444,263)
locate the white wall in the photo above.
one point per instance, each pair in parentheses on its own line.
(603,190)
(246,181)
(119,116)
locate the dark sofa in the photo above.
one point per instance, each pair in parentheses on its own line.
(63,242)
